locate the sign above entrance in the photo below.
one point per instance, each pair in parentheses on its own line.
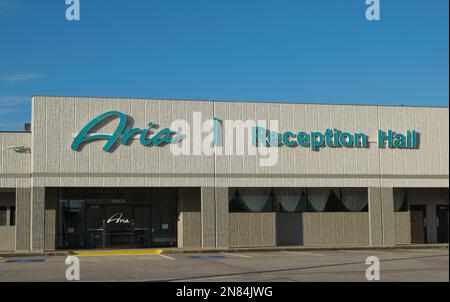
(235,137)
(123,133)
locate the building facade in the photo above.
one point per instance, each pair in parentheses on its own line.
(142,173)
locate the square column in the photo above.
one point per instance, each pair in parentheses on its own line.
(381,217)
(23,219)
(51,207)
(214,217)
(37,219)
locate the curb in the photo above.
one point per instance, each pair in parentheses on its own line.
(209,250)
(117,252)
(299,248)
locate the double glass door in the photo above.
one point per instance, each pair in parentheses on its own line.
(119,226)
(122,218)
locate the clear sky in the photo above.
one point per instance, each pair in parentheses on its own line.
(258,50)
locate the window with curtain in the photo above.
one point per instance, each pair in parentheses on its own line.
(400,201)
(355,199)
(251,200)
(318,198)
(291,199)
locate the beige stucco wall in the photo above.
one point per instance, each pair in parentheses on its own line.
(189,228)
(7,238)
(308,229)
(402,227)
(336,229)
(252,229)
(15,167)
(55,164)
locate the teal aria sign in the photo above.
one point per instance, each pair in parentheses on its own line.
(122,134)
(260,136)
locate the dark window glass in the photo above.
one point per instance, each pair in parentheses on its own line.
(236,204)
(2,216)
(12,216)
(400,200)
(164,216)
(334,203)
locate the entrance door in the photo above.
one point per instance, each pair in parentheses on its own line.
(164,217)
(442,223)
(142,226)
(118,226)
(418,224)
(95,215)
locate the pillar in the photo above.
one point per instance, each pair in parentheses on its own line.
(214,217)
(381,217)
(51,206)
(37,219)
(222,220)
(23,218)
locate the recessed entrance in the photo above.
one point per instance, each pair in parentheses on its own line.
(117,218)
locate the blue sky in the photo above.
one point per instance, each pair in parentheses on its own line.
(289,51)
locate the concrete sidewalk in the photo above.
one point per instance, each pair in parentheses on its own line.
(200,250)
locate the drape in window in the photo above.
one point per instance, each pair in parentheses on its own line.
(354,199)
(256,199)
(318,198)
(399,198)
(290,199)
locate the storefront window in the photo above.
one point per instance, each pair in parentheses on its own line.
(117,218)
(318,198)
(3,215)
(400,200)
(7,209)
(12,216)
(251,200)
(291,199)
(298,200)
(355,199)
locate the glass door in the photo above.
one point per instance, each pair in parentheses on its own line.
(95,216)
(142,226)
(164,217)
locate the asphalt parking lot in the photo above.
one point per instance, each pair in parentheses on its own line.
(328,266)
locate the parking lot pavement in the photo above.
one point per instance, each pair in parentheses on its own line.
(329,266)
